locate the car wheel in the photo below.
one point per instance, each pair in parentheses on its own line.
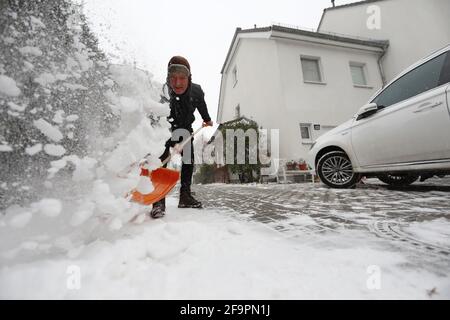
(398,179)
(335,170)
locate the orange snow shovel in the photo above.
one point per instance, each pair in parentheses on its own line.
(163,179)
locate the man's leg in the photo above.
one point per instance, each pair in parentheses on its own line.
(186,172)
(186,198)
(159,207)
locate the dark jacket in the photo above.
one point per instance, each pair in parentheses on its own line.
(182,107)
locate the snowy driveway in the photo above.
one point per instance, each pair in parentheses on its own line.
(372,206)
(261,241)
(413,221)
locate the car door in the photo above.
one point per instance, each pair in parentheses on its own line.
(413,120)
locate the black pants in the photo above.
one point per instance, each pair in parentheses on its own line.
(186,168)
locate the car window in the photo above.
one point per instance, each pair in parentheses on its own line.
(423,78)
(445,74)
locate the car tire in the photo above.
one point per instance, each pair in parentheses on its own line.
(336,170)
(398,180)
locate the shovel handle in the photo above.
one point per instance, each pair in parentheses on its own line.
(166,160)
(124,172)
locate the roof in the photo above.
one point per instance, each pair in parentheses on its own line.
(345,6)
(241,119)
(330,36)
(381,44)
(352,4)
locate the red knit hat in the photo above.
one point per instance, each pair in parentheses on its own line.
(179,60)
(179,63)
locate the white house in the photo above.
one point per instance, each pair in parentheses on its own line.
(300,82)
(414,28)
(304,83)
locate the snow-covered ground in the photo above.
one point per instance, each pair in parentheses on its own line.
(215,254)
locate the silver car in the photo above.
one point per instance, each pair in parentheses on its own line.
(403,133)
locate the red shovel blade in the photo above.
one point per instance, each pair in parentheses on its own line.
(163,181)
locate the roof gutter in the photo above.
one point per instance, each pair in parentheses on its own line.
(380,65)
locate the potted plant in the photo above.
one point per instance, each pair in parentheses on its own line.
(291,165)
(302,165)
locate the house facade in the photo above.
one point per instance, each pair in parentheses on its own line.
(414,28)
(305,83)
(299,82)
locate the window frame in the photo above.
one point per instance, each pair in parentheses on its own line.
(365,74)
(318,60)
(308,127)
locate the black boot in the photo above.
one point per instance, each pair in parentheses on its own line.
(159,209)
(188,201)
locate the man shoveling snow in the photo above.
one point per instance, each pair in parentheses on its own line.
(184,97)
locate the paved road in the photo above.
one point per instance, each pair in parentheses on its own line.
(383,212)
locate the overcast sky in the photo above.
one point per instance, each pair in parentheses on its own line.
(150,32)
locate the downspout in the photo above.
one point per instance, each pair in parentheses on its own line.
(221,98)
(380,66)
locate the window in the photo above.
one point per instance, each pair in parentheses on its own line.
(237,112)
(234,75)
(423,78)
(358,71)
(311,69)
(305,131)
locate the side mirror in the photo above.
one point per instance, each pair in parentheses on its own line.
(366,110)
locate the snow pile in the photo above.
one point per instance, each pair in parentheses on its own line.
(5,148)
(72,122)
(8,86)
(28,50)
(32,150)
(48,130)
(51,94)
(138,96)
(16,107)
(20,217)
(99,193)
(192,254)
(54,150)
(48,207)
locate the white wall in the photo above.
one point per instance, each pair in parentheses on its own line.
(327,104)
(271,90)
(258,87)
(414,28)
(258,90)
